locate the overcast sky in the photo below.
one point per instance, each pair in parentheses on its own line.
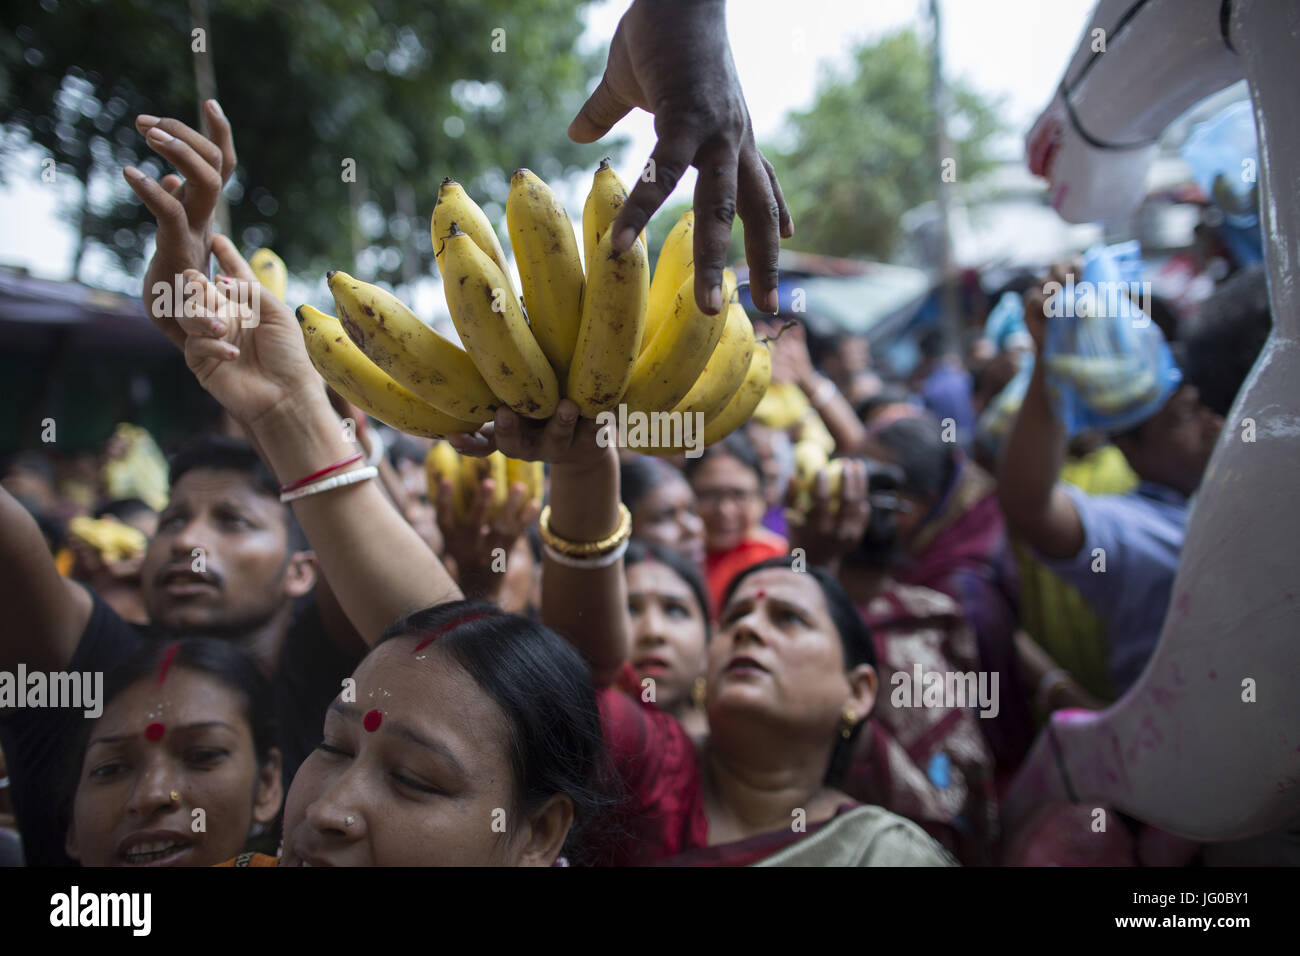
(1014,49)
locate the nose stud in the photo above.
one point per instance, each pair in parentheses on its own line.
(175,797)
(349,821)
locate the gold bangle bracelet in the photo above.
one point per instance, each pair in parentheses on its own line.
(584,549)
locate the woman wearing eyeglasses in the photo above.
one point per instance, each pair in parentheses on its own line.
(728,484)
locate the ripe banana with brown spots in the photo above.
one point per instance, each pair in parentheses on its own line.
(418,358)
(494,330)
(364,384)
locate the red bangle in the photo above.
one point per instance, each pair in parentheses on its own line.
(322,473)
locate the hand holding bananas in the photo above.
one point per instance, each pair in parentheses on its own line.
(564,439)
(829,510)
(672,59)
(183,207)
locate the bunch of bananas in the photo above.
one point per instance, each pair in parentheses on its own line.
(810,458)
(608,335)
(466,474)
(113,539)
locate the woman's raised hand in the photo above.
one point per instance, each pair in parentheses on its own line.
(183,205)
(563,439)
(242,343)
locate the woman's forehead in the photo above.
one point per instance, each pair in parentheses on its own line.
(782,584)
(408,675)
(651,575)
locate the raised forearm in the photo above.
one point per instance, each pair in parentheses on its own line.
(836,412)
(377,565)
(44,612)
(588,606)
(1032,457)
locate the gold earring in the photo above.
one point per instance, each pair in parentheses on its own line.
(850,719)
(698,690)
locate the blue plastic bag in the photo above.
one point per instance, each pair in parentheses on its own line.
(1107,364)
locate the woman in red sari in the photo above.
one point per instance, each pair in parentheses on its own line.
(728,484)
(790,683)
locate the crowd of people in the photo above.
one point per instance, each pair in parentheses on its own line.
(673,665)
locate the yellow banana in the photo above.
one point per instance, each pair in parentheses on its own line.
(364,384)
(532,474)
(613,317)
(809,458)
(675,262)
(113,539)
(668,367)
(270,271)
(746,399)
(604,203)
(438,372)
(443,461)
(546,251)
(473,471)
(454,205)
(783,405)
(494,330)
(726,367)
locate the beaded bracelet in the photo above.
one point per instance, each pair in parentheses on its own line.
(329,484)
(341,463)
(585,549)
(587,564)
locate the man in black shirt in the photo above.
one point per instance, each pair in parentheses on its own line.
(230,561)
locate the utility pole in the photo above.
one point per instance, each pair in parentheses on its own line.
(945,167)
(205,82)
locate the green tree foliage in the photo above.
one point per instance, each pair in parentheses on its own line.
(863,154)
(412,91)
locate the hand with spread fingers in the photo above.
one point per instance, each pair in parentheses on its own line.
(562,439)
(242,343)
(836,522)
(475,542)
(672,58)
(183,204)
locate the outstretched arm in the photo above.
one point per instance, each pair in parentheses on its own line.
(377,565)
(1034,503)
(45,612)
(586,605)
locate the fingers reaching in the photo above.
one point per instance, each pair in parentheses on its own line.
(668,163)
(763,216)
(715,212)
(221,136)
(598,115)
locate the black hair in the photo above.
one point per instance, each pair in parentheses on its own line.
(931,343)
(928,462)
(1165,316)
(855,642)
(737,445)
(640,551)
(209,656)
(889,395)
(543,687)
(638,474)
(822,346)
(123,508)
(222,453)
(1227,337)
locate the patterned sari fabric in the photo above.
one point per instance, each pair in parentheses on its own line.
(962,551)
(929,764)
